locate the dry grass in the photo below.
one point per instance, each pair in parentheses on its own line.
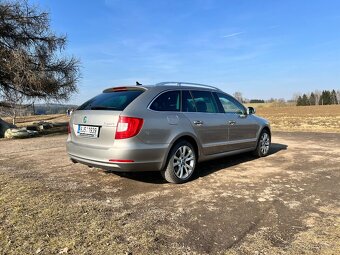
(320,118)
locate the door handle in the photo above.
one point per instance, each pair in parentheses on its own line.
(232,122)
(198,122)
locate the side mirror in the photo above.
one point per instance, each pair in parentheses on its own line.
(251,110)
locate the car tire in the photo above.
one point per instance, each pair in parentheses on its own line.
(181,163)
(263,144)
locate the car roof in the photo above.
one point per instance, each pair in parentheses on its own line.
(166,86)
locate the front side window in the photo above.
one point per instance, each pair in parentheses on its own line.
(204,101)
(230,105)
(167,102)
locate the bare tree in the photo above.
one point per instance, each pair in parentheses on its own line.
(15,104)
(238,96)
(317,94)
(296,96)
(31,61)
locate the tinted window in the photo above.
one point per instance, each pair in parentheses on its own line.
(204,101)
(168,102)
(117,100)
(230,105)
(188,104)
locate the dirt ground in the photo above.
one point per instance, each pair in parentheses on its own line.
(286,203)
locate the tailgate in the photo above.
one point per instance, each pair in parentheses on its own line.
(94,127)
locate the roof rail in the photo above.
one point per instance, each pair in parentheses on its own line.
(181,83)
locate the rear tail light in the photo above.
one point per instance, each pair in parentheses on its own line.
(68,128)
(128,127)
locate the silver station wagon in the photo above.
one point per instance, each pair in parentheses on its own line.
(168,127)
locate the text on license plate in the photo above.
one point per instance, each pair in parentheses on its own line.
(89,131)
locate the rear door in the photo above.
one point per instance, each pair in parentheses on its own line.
(242,128)
(201,108)
(94,122)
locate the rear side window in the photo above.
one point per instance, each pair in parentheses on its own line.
(117,100)
(167,102)
(204,101)
(188,104)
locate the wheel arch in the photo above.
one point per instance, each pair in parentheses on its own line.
(256,151)
(268,130)
(263,127)
(185,137)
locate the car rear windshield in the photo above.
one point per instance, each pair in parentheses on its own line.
(116,100)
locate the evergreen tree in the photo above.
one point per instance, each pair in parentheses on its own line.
(305,100)
(312,99)
(334,99)
(325,98)
(299,101)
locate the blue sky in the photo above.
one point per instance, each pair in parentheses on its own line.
(261,48)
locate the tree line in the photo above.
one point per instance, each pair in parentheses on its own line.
(325,97)
(256,101)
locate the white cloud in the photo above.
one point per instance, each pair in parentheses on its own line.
(233,35)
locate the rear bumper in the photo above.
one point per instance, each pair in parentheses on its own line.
(119,167)
(145,157)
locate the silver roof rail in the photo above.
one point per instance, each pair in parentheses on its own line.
(181,83)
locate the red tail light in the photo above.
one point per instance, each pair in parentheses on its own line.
(128,127)
(68,128)
(121,160)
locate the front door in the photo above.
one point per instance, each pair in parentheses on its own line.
(242,128)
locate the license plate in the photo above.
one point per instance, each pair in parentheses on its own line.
(88,131)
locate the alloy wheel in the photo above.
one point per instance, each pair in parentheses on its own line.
(264,143)
(184,162)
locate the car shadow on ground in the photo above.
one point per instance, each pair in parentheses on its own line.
(203,169)
(209,167)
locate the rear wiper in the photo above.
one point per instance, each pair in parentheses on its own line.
(103,108)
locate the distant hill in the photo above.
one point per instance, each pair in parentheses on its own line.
(53,108)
